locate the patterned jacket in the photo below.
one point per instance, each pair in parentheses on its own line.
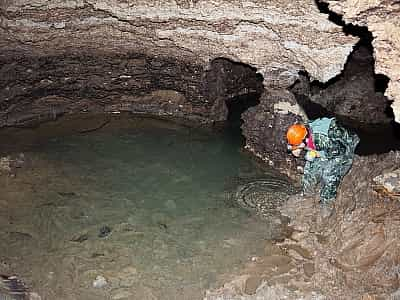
(331,139)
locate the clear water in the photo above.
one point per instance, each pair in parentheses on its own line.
(163,191)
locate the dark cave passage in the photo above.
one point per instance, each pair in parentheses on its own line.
(239,105)
(236,87)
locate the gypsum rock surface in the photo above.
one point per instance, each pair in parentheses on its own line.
(276,38)
(355,251)
(269,36)
(353,254)
(42,88)
(352,97)
(382,17)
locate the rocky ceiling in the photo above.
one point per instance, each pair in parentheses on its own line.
(278,38)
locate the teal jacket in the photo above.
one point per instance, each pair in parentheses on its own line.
(332,140)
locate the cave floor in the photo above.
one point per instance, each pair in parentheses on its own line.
(126,208)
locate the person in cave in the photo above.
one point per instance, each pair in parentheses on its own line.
(329,155)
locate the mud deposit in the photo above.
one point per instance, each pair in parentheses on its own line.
(125,209)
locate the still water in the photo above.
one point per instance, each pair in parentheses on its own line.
(143,206)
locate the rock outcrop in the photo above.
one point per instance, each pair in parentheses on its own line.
(352,97)
(357,247)
(265,126)
(382,19)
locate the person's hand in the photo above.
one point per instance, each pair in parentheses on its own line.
(297,152)
(311,155)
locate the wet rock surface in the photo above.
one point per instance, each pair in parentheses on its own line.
(353,254)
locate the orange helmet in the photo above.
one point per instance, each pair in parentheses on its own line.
(296,134)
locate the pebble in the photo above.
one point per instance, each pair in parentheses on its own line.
(100,282)
(104,231)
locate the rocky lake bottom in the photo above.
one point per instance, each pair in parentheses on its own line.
(126,209)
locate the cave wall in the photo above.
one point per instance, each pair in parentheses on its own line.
(38,89)
(382,19)
(353,97)
(103,55)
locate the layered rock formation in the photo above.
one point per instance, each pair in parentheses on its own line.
(278,38)
(86,54)
(382,19)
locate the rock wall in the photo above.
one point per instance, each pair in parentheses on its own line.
(38,89)
(86,52)
(382,17)
(353,97)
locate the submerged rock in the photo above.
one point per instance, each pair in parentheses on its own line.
(9,164)
(264,195)
(104,231)
(5,164)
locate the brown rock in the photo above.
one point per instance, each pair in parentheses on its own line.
(304,253)
(252,283)
(273,249)
(309,269)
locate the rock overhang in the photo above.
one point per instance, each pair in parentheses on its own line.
(278,38)
(382,17)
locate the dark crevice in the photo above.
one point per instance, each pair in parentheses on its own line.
(374,138)
(236,87)
(381,83)
(236,106)
(349,29)
(366,38)
(239,105)
(354,97)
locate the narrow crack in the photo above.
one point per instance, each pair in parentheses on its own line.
(363,33)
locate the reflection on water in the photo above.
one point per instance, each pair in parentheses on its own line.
(144,206)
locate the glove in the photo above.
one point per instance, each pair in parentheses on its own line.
(311,155)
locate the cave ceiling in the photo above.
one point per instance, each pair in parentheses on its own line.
(278,38)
